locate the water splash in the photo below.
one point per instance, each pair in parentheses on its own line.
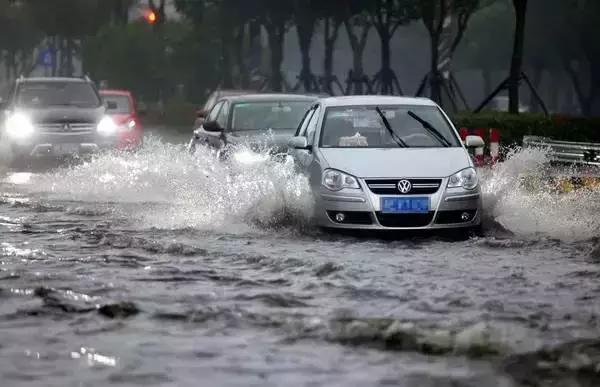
(162,186)
(520,195)
(173,189)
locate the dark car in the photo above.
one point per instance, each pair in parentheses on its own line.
(55,117)
(212,100)
(258,120)
(121,106)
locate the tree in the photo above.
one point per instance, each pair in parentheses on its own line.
(305,19)
(18,38)
(516,63)
(275,16)
(358,25)
(487,46)
(576,31)
(331,21)
(386,16)
(446,22)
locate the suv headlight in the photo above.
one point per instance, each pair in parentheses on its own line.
(467,178)
(107,126)
(18,126)
(335,180)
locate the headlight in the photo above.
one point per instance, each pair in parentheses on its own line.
(107,126)
(467,178)
(248,157)
(18,126)
(335,180)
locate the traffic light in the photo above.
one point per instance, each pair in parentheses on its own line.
(151,16)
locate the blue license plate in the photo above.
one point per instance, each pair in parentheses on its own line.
(405,205)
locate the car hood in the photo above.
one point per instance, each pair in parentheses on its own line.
(65,114)
(398,162)
(277,140)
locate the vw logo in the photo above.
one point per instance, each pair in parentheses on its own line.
(404,186)
(66,128)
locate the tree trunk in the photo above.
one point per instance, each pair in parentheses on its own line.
(487,82)
(331,33)
(386,65)
(239,57)
(305,35)
(69,54)
(538,72)
(276,34)
(358,48)
(434,75)
(517,56)
(226,43)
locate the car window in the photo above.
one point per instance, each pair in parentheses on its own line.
(363,126)
(223,116)
(53,93)
(302,127)
(281,114)
(214,112)
(210,102)
(122,103)
(312,125)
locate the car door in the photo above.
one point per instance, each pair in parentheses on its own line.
(307,159)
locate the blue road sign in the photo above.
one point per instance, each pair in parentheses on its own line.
(46,58)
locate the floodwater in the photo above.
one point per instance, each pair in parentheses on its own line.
(158,268)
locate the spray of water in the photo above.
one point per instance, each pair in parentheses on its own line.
(521,195)
(162,186)
(178,190)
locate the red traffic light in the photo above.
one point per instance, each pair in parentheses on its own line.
(150,16)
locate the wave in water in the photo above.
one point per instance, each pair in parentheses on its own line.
(173,189)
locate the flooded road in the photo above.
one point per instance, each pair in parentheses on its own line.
(157,268)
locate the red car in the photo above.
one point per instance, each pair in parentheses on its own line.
(122,108)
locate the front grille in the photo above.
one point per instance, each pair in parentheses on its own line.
(390,186)
(405,220)
(352,217)
(454,217)
(66,127)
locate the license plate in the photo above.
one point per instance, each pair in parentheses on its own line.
(65,149)
(412,205)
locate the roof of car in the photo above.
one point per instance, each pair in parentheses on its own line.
(375,100)
(271,97)
(53,79)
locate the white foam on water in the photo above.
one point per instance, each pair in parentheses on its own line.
(538,211)
(169,188)
(178,190)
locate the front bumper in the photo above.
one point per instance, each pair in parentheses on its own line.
(56,145)
(451,208)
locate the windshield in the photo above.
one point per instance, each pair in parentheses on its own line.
(47,94)
(268,115)
(364,127)
(121,101)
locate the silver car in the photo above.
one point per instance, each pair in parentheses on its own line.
(387,163)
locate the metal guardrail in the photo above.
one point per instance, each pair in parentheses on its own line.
(581,153)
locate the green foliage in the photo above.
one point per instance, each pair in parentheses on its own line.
(151,63)
(514,127)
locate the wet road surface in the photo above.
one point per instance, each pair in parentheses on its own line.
(161,269)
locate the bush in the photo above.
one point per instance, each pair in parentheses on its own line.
(513,127)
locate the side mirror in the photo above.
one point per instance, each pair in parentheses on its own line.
(212,126)
(111,105)
(201,113)
(298,143)
(474,142)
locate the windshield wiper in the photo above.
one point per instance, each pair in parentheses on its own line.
(430,128)
(386,123)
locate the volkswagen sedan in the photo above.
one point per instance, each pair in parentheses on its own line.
(387,163)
